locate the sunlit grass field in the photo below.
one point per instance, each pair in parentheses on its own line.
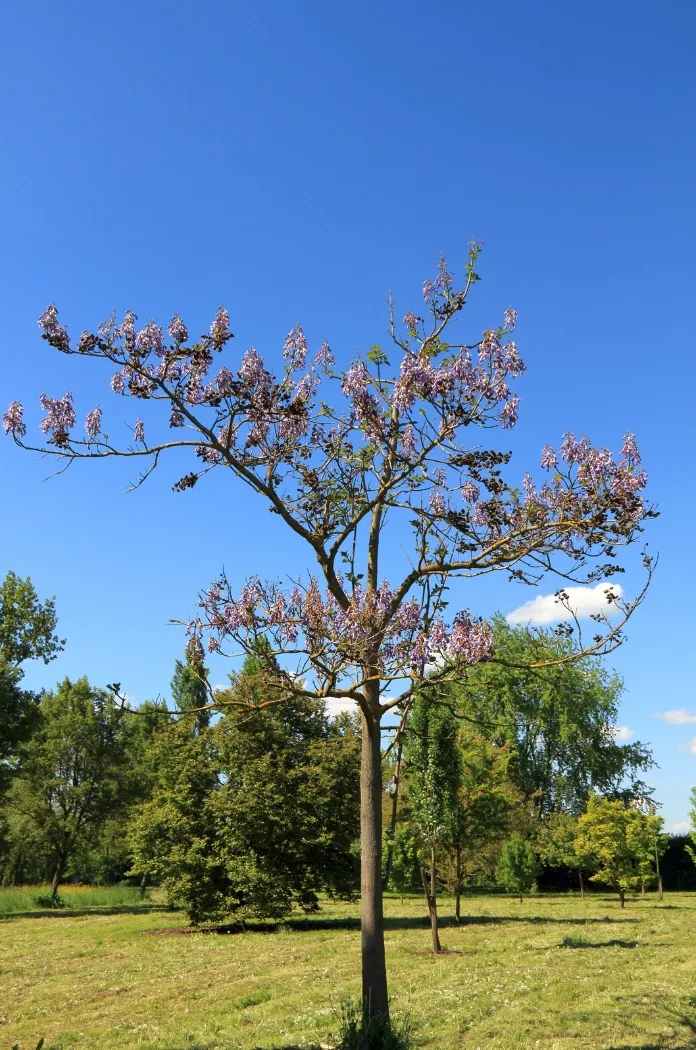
(553,972)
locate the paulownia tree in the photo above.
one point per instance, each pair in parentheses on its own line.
(350,462)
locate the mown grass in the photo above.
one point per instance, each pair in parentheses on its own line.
(552,973)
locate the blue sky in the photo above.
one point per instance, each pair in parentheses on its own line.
(296,161)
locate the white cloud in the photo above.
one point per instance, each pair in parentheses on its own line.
(690,746)
(545,608)
(682,717)
(679,827)
(622,733)
(335,704)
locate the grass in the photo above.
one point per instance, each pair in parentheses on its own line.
(553,973)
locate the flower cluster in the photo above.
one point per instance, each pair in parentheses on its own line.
(60,419)
(13,420)
(372,626)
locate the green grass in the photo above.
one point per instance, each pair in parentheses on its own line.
(23,899)
(553,973)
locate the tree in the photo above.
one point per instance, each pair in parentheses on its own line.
(559,721)
(618,842)
(255,814)
(692,833)
(517,868)
(189,691)
(350,470)
(27,632)
(484,801)
(69,783)
(556,844)
(434,766)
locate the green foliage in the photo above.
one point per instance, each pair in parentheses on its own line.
(517,869)
(692,834)
(189,691)
(364,1030)
(27,626)
(70,779)
(254,814)
(49,900)
(405,870)
(557,723)
(618,842)
(555,841)
(434,764)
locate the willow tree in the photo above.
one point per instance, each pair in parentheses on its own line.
(354,463)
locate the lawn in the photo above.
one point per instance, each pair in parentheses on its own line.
(552,972)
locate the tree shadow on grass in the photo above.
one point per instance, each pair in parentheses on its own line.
(319,924)
(76,913)
(578,942)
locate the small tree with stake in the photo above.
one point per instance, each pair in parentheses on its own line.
(349,469)
(518,868)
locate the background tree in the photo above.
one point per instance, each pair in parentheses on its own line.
(27,632)
(691,850)
(484,801)
(434,765)
(70,779)
(618,842)
(189,691)
(350,470)
(517,868)
(557,720)
(555,844)
(255,814)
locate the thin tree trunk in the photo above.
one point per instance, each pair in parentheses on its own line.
(143,884)
(582,886)
(374,969)
(659,873)
(57,875)
(392,822)
(622,898)
(642,887)
(433,903)
(457,910)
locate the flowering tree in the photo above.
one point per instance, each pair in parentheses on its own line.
(380,448)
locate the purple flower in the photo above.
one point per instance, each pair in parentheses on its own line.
(438,635)
(470,492)
(176,418)
(408,441)
(629,449)
(295,347)
(437,503)
(139,431)
(118,382)
(510,317)
(177,330)
(325,357)
(251,369)
(86,342)
(224,381)
(93,422)
(411,321)
(549,460)
(54,333)
(61,414)
(569,447)
(150,338)
(13,421)
(220,328)
(509,415)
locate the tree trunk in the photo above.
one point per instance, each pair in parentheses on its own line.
(582,886)
(659,873)
(57,875)
(433,903)
(143,884)
(457,909)
(642,887)
(622,898)
(374,970)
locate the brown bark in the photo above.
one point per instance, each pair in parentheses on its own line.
(433,904)
(374,970)
(457,909)
(622,898)
(143,884)
(57,875)
(582,886)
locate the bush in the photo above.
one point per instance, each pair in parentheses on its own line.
(49,900)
